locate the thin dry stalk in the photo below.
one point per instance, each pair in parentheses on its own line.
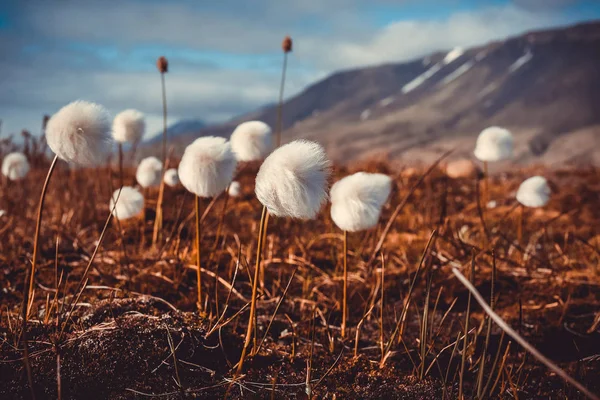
(520,221)
(466,339)
(280,104)
(310,357)
(358,326)
(519,339)
(198,262)
(262,228)
(488,332)
(450,365)
(345,286)
(405,308)
(424,326)
(293,353)
(381,307)
(404,201)
(36,242)
(276,310)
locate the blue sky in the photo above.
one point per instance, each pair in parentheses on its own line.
(225,55)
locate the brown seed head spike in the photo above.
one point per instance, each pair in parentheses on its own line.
(287,44)
(162,64)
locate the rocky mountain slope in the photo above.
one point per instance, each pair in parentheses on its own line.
(544,86)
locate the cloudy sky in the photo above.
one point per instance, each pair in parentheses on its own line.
(225,55)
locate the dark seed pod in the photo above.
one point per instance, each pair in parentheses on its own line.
(286,45)
(162,64)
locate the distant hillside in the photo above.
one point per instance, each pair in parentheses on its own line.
(544,86)
(186,128)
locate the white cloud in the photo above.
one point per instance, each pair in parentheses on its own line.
(406,40)
(328,35)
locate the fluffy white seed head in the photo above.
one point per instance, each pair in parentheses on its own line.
(234,189)
(80,133)
(494,144)
(356,200)
(292,181)
(130,203)
(149,172)
(207,166)
(251,141)
(15,166)
(534,192)
(129,126)
(171,177)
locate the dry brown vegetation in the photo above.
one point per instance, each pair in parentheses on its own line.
(134,332)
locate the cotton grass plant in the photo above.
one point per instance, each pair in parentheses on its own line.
(149,172)
(493,144)
(356,203)
(126,203)
(291,183)
(206,169)
(251,141)
(234,189)
(171,177)
(15,166)
(80,134)
(534,192)
(128,127)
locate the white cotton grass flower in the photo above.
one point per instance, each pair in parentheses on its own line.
(207,166)
(534,192)
(171,177)
(15,166)
(129,126)
(356,200)
(234,189)
(494,144)
(149,172)
(252,141)
(292,180)
(79,133)
(130,203)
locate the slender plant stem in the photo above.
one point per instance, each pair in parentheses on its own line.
(222,219)
(164,101)
(198,239)
(480,391)
(520,224)
(466,338)
(248,339)
(486,184)
(28,288)
(280,107)
(345,286)
(36,240)
(159,204)
(264,240)
(381,307)
(120,145)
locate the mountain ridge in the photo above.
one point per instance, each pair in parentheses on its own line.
(542,85)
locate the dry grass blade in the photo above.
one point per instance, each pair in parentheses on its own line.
(405,308)
(275,312)
(519,339)
(466,337)
(404,201)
